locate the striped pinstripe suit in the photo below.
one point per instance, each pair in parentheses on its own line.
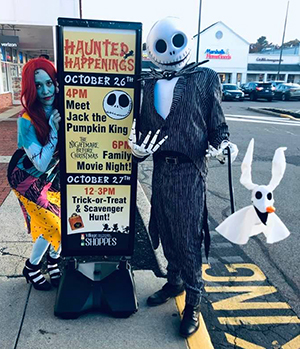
(178,190)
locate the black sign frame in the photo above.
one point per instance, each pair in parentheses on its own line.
(69,240)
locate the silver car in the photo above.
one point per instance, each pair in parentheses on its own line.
(287,91)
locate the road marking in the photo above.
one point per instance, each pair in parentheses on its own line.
(238,302)
(258,275)
(292,344)
(241,342)
(255,117)
(263,122)
(201,338)
(258,320)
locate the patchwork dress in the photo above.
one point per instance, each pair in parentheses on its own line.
(33,174)
(178,203)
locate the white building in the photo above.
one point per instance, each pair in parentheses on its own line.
(226,50)
(27,30)
(229,56)
(264,66)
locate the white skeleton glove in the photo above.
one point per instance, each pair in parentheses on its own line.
(140,151)
(221,151)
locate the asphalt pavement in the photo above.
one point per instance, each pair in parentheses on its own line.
(251,295)
(278,263)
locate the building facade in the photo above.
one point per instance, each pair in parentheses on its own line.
(264,66)
(27,30)
(228,54)
(226,50)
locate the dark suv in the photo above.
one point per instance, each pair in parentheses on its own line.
(255,90)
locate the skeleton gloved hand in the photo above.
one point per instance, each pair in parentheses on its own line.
(140,151)
(222,151)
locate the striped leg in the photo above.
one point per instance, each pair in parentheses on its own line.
(32,273)
(53,270)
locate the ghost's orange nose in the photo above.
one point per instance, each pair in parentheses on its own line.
(270,209)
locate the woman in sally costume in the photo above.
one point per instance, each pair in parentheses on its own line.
(33,172)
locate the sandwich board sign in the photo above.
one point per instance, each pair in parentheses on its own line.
(99,63)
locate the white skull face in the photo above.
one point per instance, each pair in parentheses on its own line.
(117,104)
(168,46)
(262,198)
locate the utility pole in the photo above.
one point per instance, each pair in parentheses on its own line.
(280,56)
(198,38)
(80,9)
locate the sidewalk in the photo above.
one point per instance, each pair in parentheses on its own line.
(276,112)
(27,318)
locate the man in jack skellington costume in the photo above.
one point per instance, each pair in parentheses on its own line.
(182,102)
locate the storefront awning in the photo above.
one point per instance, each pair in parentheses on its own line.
(274,67)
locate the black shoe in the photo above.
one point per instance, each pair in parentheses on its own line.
(163,295)
(190,321)
(32,273)
(53,270)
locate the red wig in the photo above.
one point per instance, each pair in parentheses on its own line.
(31,104)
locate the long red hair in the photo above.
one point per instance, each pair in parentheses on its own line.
(31,104)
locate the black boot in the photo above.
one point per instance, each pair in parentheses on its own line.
(190,321)
(33,274)
(53,270)
(163,295)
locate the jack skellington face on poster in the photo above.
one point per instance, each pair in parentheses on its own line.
(167,44)
(117,104)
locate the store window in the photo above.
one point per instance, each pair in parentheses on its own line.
(5,80)
(222,77)
(271,77)
(2,54)
(8,55)
(21,57)
(14,56)
(251,77)
(225,78)
(282,77)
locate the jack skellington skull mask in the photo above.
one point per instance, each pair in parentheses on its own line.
(167,44)
(117,104)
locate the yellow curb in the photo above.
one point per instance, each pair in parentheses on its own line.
(289,117)
(201,338)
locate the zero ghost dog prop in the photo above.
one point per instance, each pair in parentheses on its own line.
(259,217)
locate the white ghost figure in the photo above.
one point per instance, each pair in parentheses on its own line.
(168,45)
(259,217)
(117,104)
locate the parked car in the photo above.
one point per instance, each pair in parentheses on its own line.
(232,92)
(287,91)
(277,83)
(255,90)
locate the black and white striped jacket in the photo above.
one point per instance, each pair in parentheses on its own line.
(195,119)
